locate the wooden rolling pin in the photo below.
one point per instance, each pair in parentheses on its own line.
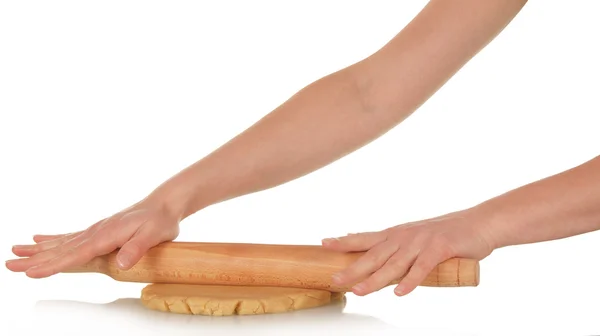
(305,266)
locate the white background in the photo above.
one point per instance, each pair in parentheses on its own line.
(102,101)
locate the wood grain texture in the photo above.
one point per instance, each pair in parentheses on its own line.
(301,266)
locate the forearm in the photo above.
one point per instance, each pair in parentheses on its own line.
(560,206)
(321,123)
(345,110)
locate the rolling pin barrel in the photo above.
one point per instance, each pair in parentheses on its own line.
(305,266)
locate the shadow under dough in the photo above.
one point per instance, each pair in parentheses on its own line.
(129,312)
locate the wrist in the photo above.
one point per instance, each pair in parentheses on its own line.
(507,217)
(488,221)
(179,198)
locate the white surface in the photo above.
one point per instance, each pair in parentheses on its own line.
(101,101)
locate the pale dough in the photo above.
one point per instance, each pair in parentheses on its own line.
(232,300)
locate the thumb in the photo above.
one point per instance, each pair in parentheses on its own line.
(134,249)
(355,242)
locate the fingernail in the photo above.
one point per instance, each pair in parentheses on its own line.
(358,288)
(124,260)
(399,290)
(329,240)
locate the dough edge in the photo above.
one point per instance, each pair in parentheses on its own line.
(298,299)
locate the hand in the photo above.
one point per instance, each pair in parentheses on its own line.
(411,251)
(133,230)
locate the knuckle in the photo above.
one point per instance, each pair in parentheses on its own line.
(95,245)
(102,244)
(96,229)
(390,230)
(97,226)
(398,260)
(401,254)
(113,236)
(418,269)
(90,250)
(373,259)
(370,258)
(46,246)
(107,235)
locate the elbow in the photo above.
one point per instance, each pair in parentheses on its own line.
(382,95)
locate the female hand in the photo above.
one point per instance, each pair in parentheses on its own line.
(133,230)
(410,250)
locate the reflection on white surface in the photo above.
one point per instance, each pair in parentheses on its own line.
(129,316)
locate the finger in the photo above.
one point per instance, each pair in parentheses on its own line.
(69,241)
(394,269)
(355,242)
(424,264)
(42,238)
(97,241)
(38,238)
(30,250)
(23,264)
(80,254)
(8,264)
(134,249)
(368,263)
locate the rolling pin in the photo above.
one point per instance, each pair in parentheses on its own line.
(304,266)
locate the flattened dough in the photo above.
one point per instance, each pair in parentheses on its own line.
(232,300)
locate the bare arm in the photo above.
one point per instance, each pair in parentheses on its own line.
(345,110)
(560,206)
(323,122)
